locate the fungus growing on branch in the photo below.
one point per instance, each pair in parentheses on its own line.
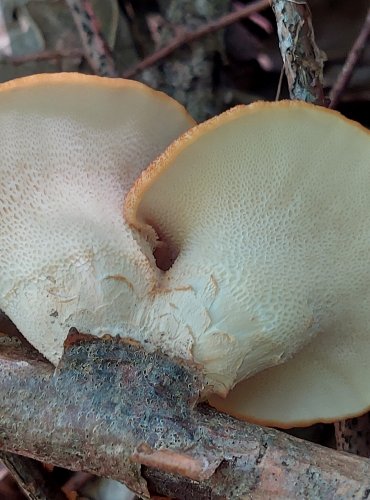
(267,209)
(261,215)
(71,146)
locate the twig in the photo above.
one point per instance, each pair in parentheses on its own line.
(303,61)
(111,408)
(30,477)
(352,59)
(280,84)
(96,49)
(43,56)
(353,435)
(189,37)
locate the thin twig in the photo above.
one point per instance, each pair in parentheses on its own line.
(31,477)
(179,41)
(189,37)
(303,61)
(46,55)
(353,58)
(280,84)
(97,51)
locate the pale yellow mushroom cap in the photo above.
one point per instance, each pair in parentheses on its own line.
(71,146)
(268,209)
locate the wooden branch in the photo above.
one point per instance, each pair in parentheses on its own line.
(187,37)
(354,56)
(117,411)
(303,61)
(46,55)
(31,477)
(96,49)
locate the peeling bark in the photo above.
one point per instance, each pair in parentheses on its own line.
(31,477)
(112,409)
(303,60)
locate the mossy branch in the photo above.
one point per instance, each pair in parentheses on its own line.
(115,410)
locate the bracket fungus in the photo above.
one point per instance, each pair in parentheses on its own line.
(267,209)
(71,146)
(263,212)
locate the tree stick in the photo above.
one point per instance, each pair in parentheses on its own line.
(111,408)
(31,477)
(45,55)
(353,57)
(186,37)
(96,49)
(303,60)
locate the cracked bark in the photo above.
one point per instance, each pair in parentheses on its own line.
(303,60)
(112,409)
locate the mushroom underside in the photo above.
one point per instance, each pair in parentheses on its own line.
(267,208)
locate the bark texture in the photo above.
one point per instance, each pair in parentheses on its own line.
(115,410)
(190,74)
(303,60)
(31,477)
(97,51)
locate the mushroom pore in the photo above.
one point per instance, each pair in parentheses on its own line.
(267,207)
(71,146)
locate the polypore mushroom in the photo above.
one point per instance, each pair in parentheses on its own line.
(267,209)
(71,145)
